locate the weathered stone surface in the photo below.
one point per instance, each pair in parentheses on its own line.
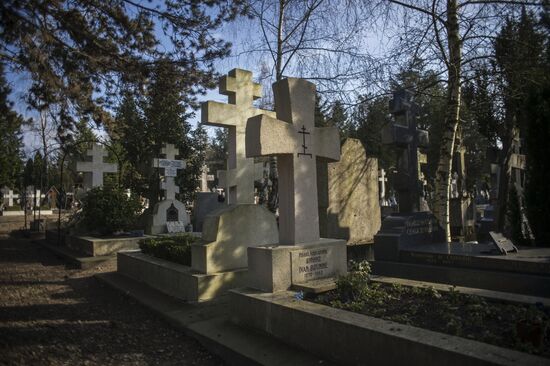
(228,232)
(353,211)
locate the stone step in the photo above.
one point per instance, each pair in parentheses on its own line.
(316,286)
(74,258)
(209,323)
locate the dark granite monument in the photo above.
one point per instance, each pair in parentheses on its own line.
(413,225)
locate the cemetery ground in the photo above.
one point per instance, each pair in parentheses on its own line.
(53,315)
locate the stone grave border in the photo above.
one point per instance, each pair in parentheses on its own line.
(351,338)
(178,280)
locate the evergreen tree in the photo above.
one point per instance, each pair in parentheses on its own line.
(78,51)
(522,66)
(338,117)
(10,138)
(143,127)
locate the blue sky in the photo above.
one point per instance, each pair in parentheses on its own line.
(241,34)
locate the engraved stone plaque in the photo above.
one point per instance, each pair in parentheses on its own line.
(312,264)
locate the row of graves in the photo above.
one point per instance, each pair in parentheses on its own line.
(245,282)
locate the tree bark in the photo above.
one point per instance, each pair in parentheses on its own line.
(452,118)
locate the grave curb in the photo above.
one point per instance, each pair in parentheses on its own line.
(208,323)
(344,337)
(176,279)
(520,283)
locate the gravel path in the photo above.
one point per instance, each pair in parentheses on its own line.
(51,315)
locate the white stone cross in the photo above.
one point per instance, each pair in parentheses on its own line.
(97,166)
(382,179)
(171,167)
(205,178)
(238,180)
(31,196)
(296,142)
(8,193)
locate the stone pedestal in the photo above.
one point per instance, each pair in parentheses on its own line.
(164,211)
(275,268)
(226,235)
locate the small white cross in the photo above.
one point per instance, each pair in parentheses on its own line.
(382,179)
(8,193)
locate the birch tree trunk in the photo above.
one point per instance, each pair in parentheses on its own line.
(452,117)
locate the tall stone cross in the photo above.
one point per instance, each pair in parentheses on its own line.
(205,178)
(238,180)
(171,167)
(97,166)
(8,194)
(296,142)
(408,139)
(383,179)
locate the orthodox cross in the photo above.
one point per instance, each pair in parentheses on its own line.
(238,179)
(280,137)
(171,167)
(97,167)
(408,139)
(304,146)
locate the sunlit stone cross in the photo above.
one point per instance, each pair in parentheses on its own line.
(171,167)
(8,194)
(296,142)
(238,180)
(97,166)
(205,178)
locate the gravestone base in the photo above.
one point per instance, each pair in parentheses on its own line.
(403,231)
(160,216)
(228,232)
(276,268)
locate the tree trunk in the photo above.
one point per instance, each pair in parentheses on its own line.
(452,117)
(273,199)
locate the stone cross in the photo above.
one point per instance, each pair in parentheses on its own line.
(8,194)
(407,138)
(516,168)
(238,180)
(382,179)
(31,196)
(296,142)
(97,166)
(171,167)
(205,178)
